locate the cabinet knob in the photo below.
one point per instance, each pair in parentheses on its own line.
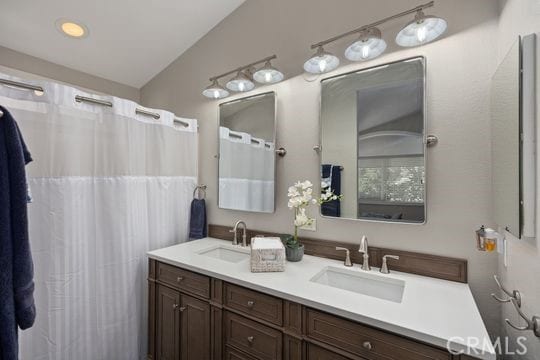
(178,307)
(250,339)
(250,303)
(367,345)
(180,278)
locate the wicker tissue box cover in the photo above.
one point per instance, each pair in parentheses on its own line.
(267,254)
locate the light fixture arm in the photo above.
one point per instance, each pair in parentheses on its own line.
(268,58)
(376,23)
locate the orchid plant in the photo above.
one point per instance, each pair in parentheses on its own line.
(300,197)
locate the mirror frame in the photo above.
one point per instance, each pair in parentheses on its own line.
(424,135)
(275,147)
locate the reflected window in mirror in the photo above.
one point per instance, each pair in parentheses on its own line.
(372,141)
(247,153)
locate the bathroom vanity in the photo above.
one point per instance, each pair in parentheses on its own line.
(204,303)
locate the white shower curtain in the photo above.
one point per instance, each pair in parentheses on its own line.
(107,186)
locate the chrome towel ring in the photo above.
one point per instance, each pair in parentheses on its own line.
(198,191)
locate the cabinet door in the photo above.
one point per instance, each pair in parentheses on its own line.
(195,331)
(168,324)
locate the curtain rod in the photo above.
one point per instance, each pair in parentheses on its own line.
(79,98)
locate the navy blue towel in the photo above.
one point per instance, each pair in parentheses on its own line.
(197,220)
(16,268)
(333,172)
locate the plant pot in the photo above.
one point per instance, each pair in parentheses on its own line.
(294,254)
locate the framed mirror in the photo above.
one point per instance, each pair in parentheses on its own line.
(246,137)
(513,139)
(372,147)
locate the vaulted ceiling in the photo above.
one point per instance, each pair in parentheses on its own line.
(129,41)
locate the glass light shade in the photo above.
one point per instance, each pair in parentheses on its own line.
(240,83)
(321,62)
(268,74)
(215,91)
(368,46)
(422,30)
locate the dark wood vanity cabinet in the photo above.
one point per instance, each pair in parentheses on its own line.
(193,316)
(183,326)
(167,324)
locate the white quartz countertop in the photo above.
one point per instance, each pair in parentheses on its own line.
(438,312)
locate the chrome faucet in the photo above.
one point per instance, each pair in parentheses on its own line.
(235,231)
(364,249)
(384,268)
(347,261)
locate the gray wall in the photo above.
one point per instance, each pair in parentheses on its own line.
(459,68)
(42,68)
(253,116)
(521,17)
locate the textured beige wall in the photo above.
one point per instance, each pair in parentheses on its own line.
(521,17)
(19,61)
(459,68)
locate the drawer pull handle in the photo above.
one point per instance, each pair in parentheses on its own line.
(250,303)
(367,345)
(179,279)
(250,339)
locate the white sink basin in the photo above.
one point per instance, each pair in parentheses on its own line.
(226,253)
(362,283)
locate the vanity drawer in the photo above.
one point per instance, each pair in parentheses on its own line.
(366,341)
(257,340)
(184,280)
(253,303)
(315,352)
(233,354)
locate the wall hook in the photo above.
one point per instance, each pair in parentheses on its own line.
(514,295)
(532,324)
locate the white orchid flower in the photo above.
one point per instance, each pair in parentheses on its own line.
(301,218)
(306,184)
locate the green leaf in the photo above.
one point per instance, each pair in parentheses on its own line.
(289,241)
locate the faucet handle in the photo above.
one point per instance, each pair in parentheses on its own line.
(347,255)
(384,268)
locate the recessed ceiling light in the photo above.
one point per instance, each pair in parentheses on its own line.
(72,28)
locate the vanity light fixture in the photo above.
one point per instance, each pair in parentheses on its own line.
(368,46)
(243,80)
(321,62)
(240,83)
(422,30)
(215,91)
(268,74)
